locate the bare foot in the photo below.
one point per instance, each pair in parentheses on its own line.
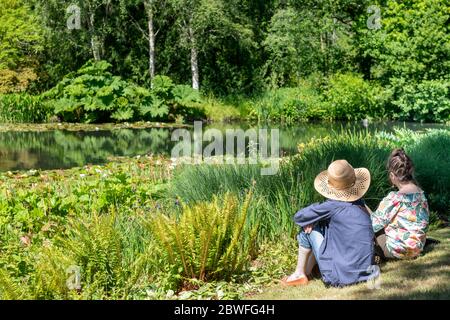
(295,276)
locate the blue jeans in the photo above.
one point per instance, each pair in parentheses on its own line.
(313,240)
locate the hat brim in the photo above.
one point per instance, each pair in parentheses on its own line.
(353,193)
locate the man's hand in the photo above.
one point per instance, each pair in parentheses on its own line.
(308,228)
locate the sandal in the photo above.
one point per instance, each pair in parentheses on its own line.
(297,282)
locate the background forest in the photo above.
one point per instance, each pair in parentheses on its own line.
(169,60)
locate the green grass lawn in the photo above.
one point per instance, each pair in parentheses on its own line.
(427,277)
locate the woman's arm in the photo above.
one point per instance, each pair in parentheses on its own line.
(386,211)
(313,213)
(368,209)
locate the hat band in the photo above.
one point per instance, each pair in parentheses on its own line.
(341,187)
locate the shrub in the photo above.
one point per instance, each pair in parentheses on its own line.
(427,101)
(349,97)
(109,252)
(217,110)
(93,94)
(431,159)
(286,105)
(209,240)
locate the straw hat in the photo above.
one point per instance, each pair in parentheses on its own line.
(342,182)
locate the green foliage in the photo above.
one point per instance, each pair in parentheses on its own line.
(278,197)
(305,38)
(432,160)
(208,240)
(287,105)
(93,94)
(242,49)
(340,97)
(110,262)
(89,219)
(23,107)
(349,97)
(222,34)
(427,101)
(62,148)
(181,101)
(122,226)
(409,56)
(29,206)
(291,52)
(413,44)
(95,245)
(21,41)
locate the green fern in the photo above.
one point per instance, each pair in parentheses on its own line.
(208,240)
(97,245)
(10,289)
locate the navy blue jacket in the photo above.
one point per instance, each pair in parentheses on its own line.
(347,250)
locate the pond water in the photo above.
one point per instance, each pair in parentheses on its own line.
(59,149)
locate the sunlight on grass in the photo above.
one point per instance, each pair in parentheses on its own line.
(427,277)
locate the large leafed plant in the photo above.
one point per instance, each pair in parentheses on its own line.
(94,94)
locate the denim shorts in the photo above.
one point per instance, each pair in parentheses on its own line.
(313,240)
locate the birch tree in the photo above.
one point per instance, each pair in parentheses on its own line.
(204,24)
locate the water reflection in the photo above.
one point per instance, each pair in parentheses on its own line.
(65,149)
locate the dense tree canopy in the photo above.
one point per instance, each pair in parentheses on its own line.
(239,46)
(223,47)
(20,44)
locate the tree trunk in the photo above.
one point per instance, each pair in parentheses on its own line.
(334,36)
(194,60)
(322,42)
(95,43)
(151,41)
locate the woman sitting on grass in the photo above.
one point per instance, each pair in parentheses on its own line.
(401,220)
(338,231)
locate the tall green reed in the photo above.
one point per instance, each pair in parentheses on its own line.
(278,197)
(24,108)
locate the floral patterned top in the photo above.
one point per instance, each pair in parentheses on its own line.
(404,218)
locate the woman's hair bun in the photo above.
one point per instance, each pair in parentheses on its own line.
(401,165)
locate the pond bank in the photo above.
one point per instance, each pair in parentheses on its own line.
(42,127)
(65,145)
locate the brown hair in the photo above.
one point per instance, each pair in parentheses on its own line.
(401,165)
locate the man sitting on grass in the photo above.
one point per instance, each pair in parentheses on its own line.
(338,231)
